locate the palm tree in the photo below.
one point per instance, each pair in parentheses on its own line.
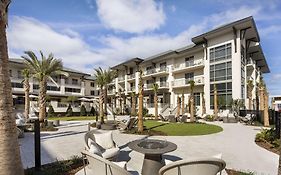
(192,107)
(182,103)
(203,104)
(263,101)
(178,106)
(155,88)
(215,102)
(26,86)
(133,96)
(250,87)
(9,147)
(42,70)
(100,79)
(109,76)
(140,111)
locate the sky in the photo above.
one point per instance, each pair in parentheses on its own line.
(87,34)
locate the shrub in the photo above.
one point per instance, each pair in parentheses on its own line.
(69,111)
(209,117)
(51,111)
(83,111)
(144,112)
(93,111)
(268,135)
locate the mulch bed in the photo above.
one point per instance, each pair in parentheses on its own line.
(268,147)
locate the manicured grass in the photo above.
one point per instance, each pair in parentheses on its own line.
(73,118)
(182,129)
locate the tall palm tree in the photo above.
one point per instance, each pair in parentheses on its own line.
(250,87)
(109,76)
(215,102)
(203,104)
(178,106)
(263,101)
(9,147)
(42,70)
(192,107)
(140,111)
(133,96)
(26,86)
(100,79)
(182,103)
(155,88)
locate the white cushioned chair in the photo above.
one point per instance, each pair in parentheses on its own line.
(102,144)
(100,166)
(210,166)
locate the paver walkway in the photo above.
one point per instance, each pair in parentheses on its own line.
(236,143)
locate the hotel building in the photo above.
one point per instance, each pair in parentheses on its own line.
(227,56)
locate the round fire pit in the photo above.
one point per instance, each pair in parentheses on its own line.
(152,150)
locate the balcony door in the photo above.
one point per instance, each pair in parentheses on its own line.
(163,81)
(188,77)
(163,66)
(189,61)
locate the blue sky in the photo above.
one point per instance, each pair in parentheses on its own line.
(89,33)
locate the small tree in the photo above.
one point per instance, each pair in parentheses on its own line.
(83,111)
(69,111)
(51,111)
(93,111)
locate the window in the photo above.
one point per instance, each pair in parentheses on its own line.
(53,88)
(17,85)
(222,71)
(35,86)
(11,73)
(163,81)
(188,77)
(20,74)
(279,106)
(74,81)
(224,91)
(92,92)
(189,61)
(163,66)
(220,53)
(74,90)
(197,99)
(92,84)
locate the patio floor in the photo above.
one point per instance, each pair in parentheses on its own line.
(235,142)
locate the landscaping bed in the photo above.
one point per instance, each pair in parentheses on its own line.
(267,140)
(73,118)
(234,172)
(65,167)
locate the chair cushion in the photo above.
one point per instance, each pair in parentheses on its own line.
(105,140)
(94,149)
(122,164)
(109,153)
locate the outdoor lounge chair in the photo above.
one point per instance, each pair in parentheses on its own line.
(100,166)
(127,125)
(110,151)
(210,166)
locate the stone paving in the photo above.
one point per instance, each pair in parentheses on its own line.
(236,143)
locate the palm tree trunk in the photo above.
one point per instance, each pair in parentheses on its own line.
(105,99)
(42,99)
(9,147)
(203,104)
(101,105)
(215,103)
(26,98)
(182,104)
(140,117)
(156,106)
(265,111)
(250,101)
(192,117)
(178,106)
(133,105)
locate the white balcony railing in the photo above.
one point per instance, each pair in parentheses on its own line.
(111,91)
(156,70)
(122,78)
(131,76)
(163,84)
(188,64)
(185,82)
(148,86)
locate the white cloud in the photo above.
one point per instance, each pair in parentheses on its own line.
(131,16)
(173,8)
(271,30)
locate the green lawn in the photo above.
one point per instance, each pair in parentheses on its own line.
(73,118)
(182,129)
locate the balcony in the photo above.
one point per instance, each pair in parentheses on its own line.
(164,85)
(158,71)
(148,86)
(188,65)
(199,80)
(132,89)
(111,91)
(121,79)
(131,77)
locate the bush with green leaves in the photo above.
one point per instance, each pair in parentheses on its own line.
(144,112)
(69,111)
(269,136)
(210,118)
(93,111)
(83,111)
(51,111)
